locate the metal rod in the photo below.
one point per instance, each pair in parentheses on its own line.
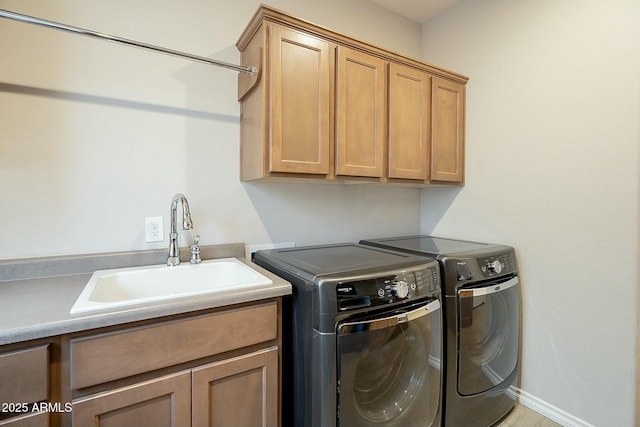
(58,26)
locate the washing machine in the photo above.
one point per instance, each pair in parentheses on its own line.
(362,336)
(481,322)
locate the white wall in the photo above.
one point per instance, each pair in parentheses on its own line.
(553,129)
(94,136)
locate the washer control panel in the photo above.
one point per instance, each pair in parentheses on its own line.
(388,289)
(485,267)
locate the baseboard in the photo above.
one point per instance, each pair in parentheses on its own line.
(548,410)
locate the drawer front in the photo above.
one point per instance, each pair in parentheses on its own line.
(24,375)
(106,357)
(35,419)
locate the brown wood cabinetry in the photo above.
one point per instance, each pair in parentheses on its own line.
(447,131)
(32,419)
(409,114)
(219,369)
(330,107)
(237,392)
(25,386)
(361,114)
(299,100)
(164,401)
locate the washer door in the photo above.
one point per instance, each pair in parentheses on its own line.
(389,368)
(488,335)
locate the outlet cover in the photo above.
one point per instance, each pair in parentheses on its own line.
(154,229)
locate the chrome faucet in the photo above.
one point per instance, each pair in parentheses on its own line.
(174,251)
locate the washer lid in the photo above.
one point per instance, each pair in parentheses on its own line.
(340,258)
(428,245)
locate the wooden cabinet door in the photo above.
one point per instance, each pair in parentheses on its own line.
(34,419)
(409,114)
(299,102)
(165,401)
(447,131)
(361,114)
(241,391)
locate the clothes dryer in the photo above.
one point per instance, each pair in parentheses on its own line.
(481,322)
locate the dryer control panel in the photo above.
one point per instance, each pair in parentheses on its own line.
(484,267)
(388,289)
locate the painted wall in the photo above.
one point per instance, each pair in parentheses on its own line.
(94,136)
(553,130)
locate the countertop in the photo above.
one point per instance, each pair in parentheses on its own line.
(36,295)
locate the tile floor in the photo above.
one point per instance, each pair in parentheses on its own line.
(521,416)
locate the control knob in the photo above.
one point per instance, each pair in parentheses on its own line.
(495,266)
(399,289)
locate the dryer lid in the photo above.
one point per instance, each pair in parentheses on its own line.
(428,245)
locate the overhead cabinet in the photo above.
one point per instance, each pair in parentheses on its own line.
(409,114)
(326,106)
(299,103)
(360,114)
(447,130)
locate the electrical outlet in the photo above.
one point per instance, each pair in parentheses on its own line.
(154,229)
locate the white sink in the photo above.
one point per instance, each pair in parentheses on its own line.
(135,285)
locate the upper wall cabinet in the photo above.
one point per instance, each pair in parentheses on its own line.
(447,131)
(360,136)
(326,106)
(299,102)
(409,115)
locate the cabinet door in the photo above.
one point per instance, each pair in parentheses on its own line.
(24,385)
(34,419)
(361,114)
(299,102)
(409,113)
(24,375)
(164,401)
(242,391)
(447,131)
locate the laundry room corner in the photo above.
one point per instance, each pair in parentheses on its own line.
(552,169)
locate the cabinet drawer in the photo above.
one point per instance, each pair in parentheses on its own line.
(24,375)
(34,419)
(106,357)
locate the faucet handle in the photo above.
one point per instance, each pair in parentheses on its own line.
(195,250)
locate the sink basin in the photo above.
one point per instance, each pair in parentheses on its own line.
(135,285)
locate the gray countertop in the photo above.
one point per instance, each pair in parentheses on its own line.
(36,295)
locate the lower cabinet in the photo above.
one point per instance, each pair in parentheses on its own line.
(241,391)
(219,369)
(25,378)
(164,401)
(33,419)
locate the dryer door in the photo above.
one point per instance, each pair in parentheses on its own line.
(488,335)
(389,368)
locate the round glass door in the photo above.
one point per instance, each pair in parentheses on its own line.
(488,331)
(390,374)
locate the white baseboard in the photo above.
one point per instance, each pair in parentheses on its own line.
(548,410)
